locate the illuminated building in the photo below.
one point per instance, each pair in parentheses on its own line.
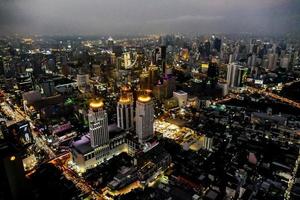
(144,118)
(98,124)
(185,55)
(84,156)
(125,110)
(102,143)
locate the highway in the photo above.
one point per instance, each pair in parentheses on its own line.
(264,92)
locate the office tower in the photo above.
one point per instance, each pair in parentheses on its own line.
(236,75)
(213,72)
(160,55)
(125,109)
(144,118)
(153,74)
(272,61)
(12,176)
(98,124)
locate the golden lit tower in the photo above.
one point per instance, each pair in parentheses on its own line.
(98,124)
(125,109)
(144,118)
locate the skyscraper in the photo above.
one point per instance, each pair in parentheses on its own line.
(144,118)
(125,109)
(236,75)
(98,124)
(272,61)
(213,72)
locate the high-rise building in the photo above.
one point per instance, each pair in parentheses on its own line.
(272,61)
(213,72)
(125,109)
(153,74)
(236,75)
(160,56)
(98,124)
(144,118)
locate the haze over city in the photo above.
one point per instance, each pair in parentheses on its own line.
(92,17)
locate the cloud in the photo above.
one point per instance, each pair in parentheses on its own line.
(147,16)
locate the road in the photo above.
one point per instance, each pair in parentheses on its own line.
(59,161)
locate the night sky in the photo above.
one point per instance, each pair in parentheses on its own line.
(148,16)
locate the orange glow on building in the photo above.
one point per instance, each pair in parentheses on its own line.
(144,98)
(96,104)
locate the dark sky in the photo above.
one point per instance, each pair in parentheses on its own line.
(148,16)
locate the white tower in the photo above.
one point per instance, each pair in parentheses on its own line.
(235,75)
(144,118)
(125,109)
(98,124)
